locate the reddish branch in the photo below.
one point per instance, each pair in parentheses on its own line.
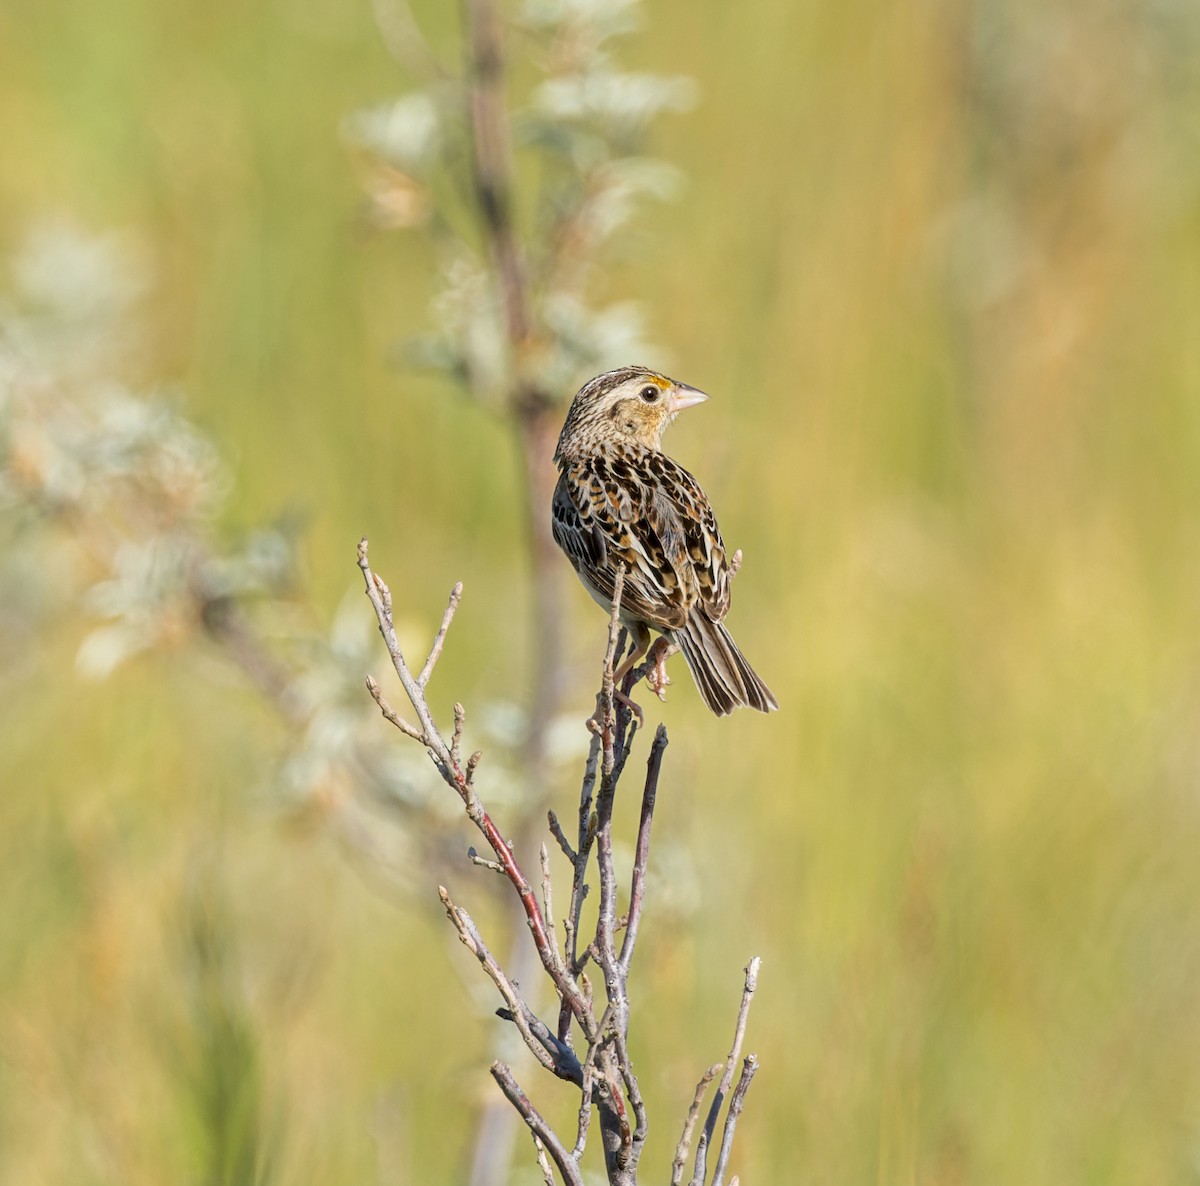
(448,766)
(604,1073)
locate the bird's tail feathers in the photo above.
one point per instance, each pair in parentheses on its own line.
(724,678)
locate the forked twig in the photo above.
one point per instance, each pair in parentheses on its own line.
(604,1073)
(567,1165)
(445,759)
(751,983)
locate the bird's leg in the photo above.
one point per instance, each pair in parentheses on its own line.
(641,642)
(657,676)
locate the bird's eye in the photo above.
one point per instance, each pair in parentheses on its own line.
(649,393)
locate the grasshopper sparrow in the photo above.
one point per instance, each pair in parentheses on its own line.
(621,500)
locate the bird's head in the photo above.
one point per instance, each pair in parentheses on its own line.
(630,404)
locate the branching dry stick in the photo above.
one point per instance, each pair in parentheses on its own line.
(567,1165)
(604,1075)
(739,1033)
(451,772)
(468,933)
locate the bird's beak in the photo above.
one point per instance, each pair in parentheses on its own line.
(682,397)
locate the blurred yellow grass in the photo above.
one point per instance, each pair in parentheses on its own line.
(934,267)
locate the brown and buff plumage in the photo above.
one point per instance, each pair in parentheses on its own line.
(621,500)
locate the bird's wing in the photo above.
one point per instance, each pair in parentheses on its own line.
(600,521)
(695,547)
(638,507)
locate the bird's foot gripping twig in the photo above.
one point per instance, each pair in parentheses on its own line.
(657,676)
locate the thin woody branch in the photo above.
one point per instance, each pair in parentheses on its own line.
(567,1165)
(435,652)
(381,601)
(641,856)
(751,983)
(453,774)
(390,714)
(557,832)
(604,1074)
(470,937)
(689,1125)
(736,1103)
(585,1109)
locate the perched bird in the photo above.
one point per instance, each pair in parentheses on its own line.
(621,500)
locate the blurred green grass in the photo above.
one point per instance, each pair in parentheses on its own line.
(935,267)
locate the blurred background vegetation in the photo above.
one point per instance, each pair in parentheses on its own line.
(937,266)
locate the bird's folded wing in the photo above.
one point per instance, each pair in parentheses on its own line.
(642,509)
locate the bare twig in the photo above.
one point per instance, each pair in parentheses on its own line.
(632,1089)
(567,1165)
(685,1141)
(585,1109)
(557,832)
(543,1161)
(637,888)
(390,713)
(435,651)
(751,983)
(605,1074)
(468,933)
(579,886)
(552,1053)
(381,600)
(736,1102)
(608,690)
(548,905)
(483,862)
(452,773)
(460,721)
(472,763)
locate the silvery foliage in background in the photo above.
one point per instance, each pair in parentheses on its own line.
(111,499)
(579,131)
(109,506)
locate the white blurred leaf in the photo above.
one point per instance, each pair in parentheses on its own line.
(623,99)
(606,17)
(405,132)
(106,648)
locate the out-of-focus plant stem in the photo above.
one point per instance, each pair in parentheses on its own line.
(533,417)
(532,409)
